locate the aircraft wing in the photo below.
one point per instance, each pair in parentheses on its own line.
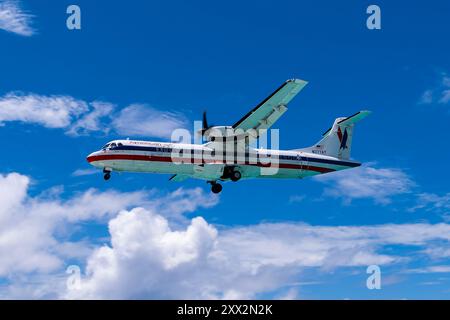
(266,113)
(179,177)
(210,171)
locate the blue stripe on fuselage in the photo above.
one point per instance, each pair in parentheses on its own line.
(301,158)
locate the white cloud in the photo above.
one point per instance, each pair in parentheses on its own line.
(154,253)
(445,96)
(142,120)
(296,198)
(432,202)
(148,259)
(29,225)
(427,97)
(182,201)
(431,269)
(158,256)
(84,172)
(13,19)
(446,81)
(439,94)
(78,117)
(437,252)
(48,111)
(379,184)
(291,294)
(35,232)
(92,121)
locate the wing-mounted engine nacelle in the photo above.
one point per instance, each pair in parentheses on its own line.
(219,133)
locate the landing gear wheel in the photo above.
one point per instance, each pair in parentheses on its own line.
(216,188)
(107,176)
(235,176)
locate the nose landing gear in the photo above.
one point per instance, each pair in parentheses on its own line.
(107,174)
(215,187)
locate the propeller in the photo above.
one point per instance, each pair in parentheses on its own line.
(205,126)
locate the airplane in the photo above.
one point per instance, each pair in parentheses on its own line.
(214,162)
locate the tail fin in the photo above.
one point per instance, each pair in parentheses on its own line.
(337,141)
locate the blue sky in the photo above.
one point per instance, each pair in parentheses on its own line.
(141,69)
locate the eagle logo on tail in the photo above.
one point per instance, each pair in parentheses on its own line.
(342,138)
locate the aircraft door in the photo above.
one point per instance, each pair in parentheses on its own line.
(303,166)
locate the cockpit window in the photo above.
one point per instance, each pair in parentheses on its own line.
(111,145)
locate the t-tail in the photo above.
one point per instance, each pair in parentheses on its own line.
(337,141)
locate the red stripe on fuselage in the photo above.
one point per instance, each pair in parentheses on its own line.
(137,157)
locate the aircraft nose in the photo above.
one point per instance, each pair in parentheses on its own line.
(91,157)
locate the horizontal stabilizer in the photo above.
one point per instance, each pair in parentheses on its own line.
(351,120)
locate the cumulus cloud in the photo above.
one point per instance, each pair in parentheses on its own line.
(14,19)
(379,184)
(148,259)
(28,225)
(35,232)
(78,117)
(159,257)
(153,251)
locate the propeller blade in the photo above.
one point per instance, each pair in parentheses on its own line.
(205,122)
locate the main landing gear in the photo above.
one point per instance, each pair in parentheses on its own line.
(235,176)
(229,173)
(232,173)
(215,187)
(107,174)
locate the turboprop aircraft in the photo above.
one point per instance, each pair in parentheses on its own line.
(230,154)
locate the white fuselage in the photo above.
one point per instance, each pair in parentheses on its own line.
(199,161)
